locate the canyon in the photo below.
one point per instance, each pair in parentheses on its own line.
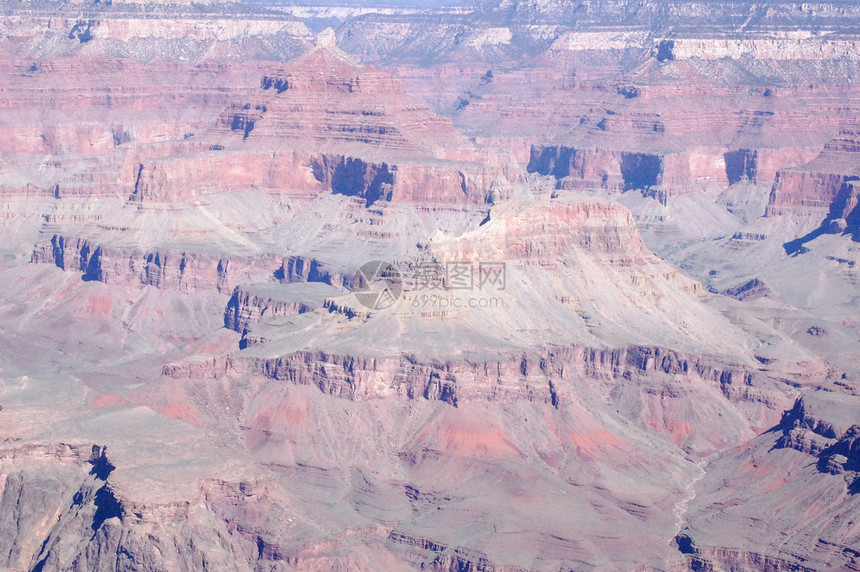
(500,285)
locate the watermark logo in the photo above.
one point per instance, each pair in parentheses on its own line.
(443,302)
(492,275)
(430,285)
(377,285)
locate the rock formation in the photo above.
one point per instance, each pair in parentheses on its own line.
(507,285)
(812,457)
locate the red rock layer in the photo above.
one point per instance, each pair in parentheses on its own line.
(323,122)
(816,185)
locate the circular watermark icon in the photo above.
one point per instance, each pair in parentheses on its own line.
(377,285)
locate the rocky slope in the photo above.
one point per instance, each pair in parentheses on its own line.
(811,458)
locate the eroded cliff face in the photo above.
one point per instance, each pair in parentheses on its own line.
(815,186)
(249,305)
(696,109)
(812,455)
(824,430)
(673,151)
(54,496)
(187,177)
(844,216)
(546,379)
(180,32)
(180,271)
(115,114)
(302,422)
(301,134)
(184,209)
(65,514)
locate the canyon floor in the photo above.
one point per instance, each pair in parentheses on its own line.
(495,286)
